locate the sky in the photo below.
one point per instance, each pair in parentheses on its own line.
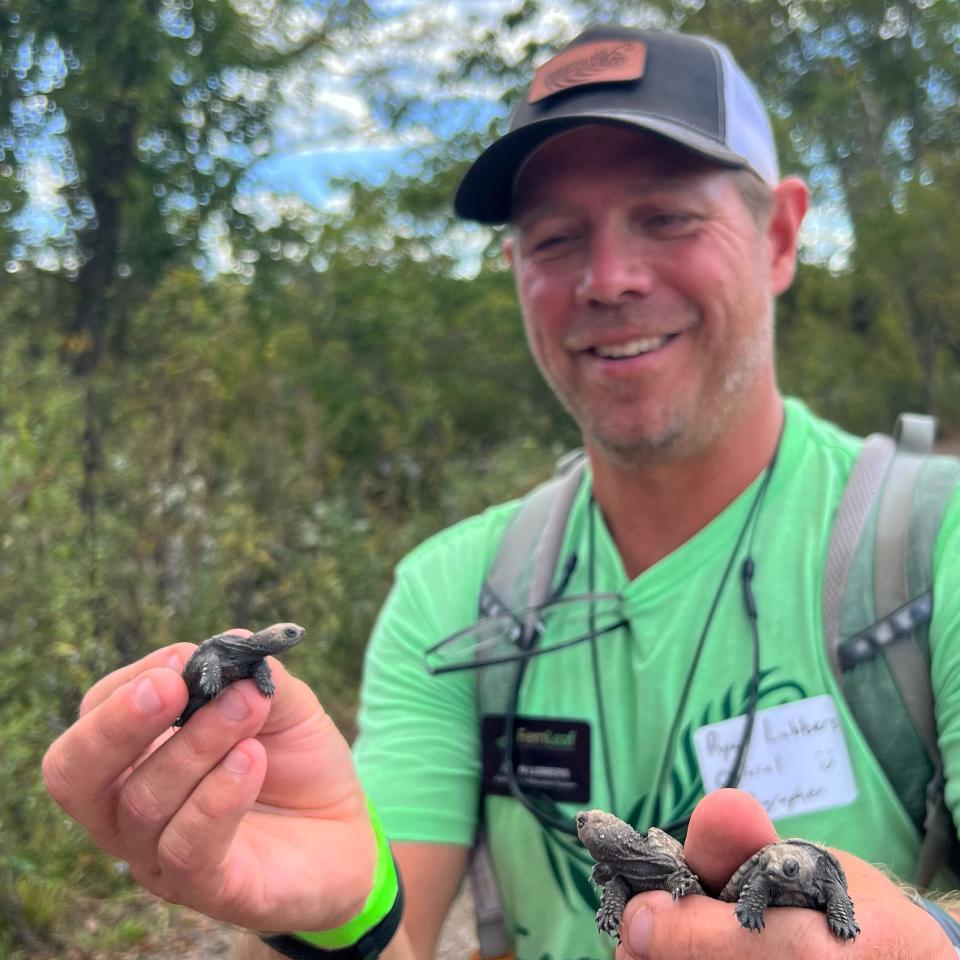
(338,135)
(327,128)
(330,129)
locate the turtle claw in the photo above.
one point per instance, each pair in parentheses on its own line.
(608,921)
(750,919)
(845,930)
(684,885)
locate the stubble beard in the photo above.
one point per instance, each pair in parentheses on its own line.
(692,425)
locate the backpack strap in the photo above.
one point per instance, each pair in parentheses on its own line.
(863,488)
(521,575)
(493,941)
(908,663)
(520,578)
(522,570)
(879,573)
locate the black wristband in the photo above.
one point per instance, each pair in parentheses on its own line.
(368,947)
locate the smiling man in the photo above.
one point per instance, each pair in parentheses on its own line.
(647,290)
(650,233)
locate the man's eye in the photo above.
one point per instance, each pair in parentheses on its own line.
(552,242)
(667,222)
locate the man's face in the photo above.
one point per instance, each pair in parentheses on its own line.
(647,291)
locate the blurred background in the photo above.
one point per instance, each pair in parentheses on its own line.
(248,358)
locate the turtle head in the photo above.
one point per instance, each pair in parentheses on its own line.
(273,639)
(790,866)
(277,638)
(596,829)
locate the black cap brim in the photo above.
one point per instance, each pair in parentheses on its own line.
(485,193)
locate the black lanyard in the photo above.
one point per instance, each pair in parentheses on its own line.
(547,812)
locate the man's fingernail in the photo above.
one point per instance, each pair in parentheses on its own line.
(145,696)
(237,762)
(639,932)
(232,704)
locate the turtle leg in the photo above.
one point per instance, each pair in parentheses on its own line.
(211,678)
(681,882)
(602,873)
(616,892)
(840,914)
(752,903)
(203,687)
(263,678)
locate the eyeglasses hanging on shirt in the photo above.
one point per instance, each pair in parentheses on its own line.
(499,637)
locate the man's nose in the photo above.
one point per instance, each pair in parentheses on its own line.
(616,268)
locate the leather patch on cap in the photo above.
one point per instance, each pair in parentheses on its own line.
(605,61)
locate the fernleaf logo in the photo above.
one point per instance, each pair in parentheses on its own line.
(603,62)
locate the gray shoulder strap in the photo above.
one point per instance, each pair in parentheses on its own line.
(908,664)
(520,577)
(898,487)
(522,570)
(859,497)
(491,926)
(888,470)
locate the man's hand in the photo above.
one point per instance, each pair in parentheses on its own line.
(727,827)
(251,813)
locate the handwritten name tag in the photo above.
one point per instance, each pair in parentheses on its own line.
(797,761)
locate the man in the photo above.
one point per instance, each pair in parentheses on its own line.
(649,235)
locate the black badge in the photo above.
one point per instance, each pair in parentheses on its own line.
(551,757)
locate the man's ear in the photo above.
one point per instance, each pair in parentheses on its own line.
(508,250)
(790,201)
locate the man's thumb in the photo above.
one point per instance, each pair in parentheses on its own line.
(726,828)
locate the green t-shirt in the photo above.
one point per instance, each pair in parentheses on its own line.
(418,748)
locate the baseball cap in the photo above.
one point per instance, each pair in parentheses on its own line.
(686,88)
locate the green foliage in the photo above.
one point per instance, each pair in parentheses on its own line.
(251,472)
(832,353)
(159,107)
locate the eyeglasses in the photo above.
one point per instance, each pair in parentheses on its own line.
(506,636)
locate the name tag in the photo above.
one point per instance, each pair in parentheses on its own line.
(797,761)
(551,757)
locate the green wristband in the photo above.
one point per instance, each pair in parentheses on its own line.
(379,902)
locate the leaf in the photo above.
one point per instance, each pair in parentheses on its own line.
(727,706)
(689,754)
(677,785)
(586,890)
(555,867)
(655,811)
(785,685)
(633,816)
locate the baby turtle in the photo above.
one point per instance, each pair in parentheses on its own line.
(629,863)
(227,657)
(792,873)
